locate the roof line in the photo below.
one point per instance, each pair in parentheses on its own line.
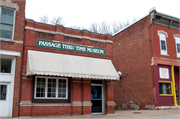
(130,24)
(169,15)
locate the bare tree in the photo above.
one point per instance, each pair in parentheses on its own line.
(134,20)
(94,27)
(77,27)
(57,21)
(127,23)
(104,28)
(44,19)
(117,26)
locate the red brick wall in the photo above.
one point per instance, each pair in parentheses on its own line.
(10,46)
(25,111)
(31,38)
(56,110)
(80,91)
(110,110)
(86,110)
(134,57)
(167,61)
(170,41)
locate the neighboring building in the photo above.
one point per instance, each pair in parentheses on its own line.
(148,55)
(12,21)
(66,72)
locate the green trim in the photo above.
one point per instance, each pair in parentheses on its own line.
(71,47)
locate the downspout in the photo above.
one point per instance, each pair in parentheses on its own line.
(173,85)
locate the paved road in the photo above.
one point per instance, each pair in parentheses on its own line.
(162,117)
(123,114)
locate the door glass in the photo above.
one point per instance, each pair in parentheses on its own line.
(96,92)
(3,92)
(5,65)
(96,99)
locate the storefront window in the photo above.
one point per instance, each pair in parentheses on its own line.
(40,87)
(165,88)
(51,87)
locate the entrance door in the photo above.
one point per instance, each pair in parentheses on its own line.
(7,69)
(97,98)
(4,100)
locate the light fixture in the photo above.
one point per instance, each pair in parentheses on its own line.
(120,74)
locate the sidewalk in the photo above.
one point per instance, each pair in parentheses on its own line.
(122,114)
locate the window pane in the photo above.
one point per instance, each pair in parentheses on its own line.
(178,48)
(42,94)
(60,95)
(64,81)
(38,90)
(51,87)
(40,87)
(165,88)
(38,95)
(162,36)
(7,16)
(3,91)
(5,65)
(163,45)
(62,88)
(6,31)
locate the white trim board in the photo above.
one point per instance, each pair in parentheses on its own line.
(11,53)
(9,4)
(70,35)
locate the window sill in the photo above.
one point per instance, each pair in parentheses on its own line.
(7,40)
(51,104)
(164,55)
(44,104)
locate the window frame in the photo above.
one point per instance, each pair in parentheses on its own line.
(46,87)
(170,82)
(12,61)
(160,33)
(177,41)
(12,37)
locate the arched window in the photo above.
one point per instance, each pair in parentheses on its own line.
(163,44)
(177,40)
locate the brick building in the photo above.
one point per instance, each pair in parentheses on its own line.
(66,72)
(12,17)
(148,54)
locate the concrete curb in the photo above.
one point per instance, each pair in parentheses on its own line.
(167,107)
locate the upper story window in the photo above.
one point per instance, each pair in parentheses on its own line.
(177,41)
(6,23)
(163,44)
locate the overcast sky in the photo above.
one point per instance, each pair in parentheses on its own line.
(84,12)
